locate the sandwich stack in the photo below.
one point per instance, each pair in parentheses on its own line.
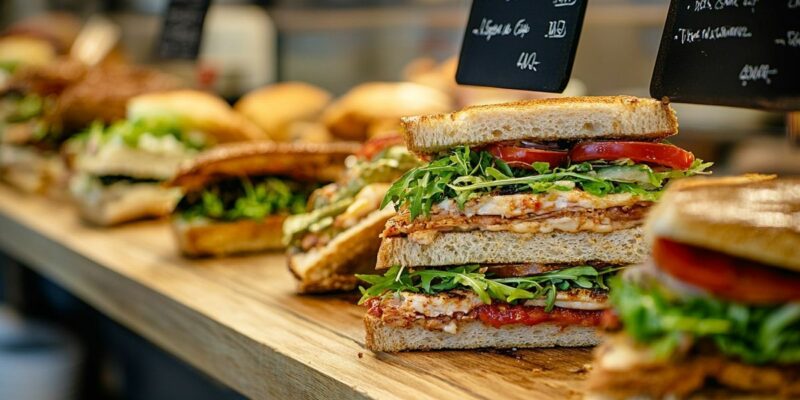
(507,236)
(719,300)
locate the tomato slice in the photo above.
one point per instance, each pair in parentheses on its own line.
(726,276)
(655,153)
(374,146)
(523,157)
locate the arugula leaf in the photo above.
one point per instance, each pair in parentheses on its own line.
(463,174)
(488,288)
(754,334)
(131,132)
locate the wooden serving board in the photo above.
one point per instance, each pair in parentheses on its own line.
(238,320)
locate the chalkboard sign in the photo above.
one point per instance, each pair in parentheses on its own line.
(521,44)
(743,53)
(183,29)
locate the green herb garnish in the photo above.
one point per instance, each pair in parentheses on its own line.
(473,277)
(463,174)
(755,334)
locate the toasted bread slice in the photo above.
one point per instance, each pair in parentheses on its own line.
(566,118)
(475,335)
(754,216)
(210,238)
(332,267)
(123,202)
(309,161)
(621,247)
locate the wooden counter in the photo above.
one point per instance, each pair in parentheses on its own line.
(238,320)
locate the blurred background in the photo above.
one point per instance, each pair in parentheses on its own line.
(336,45)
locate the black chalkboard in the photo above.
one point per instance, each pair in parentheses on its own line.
(182,31)
(521,44)
(743,53)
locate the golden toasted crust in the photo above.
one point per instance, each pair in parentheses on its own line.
(306,161)
(210,238)
(273,108)
(570,118)
(755,217)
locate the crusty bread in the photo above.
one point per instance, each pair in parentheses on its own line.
(570,118)
(128,161)
(124,202)
(32,171)
(754,217)
(201,238)
(307,161)
(621,247)
(198,110)
(331,267)
(351,117)
(275,107)
(26,50)
(475,335)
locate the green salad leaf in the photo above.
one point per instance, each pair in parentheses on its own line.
(243,199)
(463,174)
(754,334)
(488,288)
(131,132)
(26,108)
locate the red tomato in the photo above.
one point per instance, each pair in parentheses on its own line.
(374,146)
(729,277)
(497,315)
(654,153)
(523,157)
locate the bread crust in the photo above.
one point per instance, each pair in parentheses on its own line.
(332,267)
(217,239)
(564,118)
(122,203)
(274,107)
(307,161)
(753,216)
(621,247)
(475,335)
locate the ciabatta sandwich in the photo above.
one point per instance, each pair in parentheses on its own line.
(339,236)
(506,237)
(718,303)
(236,197)
(119,169)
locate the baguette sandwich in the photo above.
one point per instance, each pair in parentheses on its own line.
(507,236)
(338,237)
(718,303)
(118,169)
(236,197)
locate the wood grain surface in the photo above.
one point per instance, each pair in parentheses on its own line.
(238,320)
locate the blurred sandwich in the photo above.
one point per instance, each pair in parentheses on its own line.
(507,236)
(118,169)
(338,236)
(236,197)
(287,111)
(719,302)
(368,109)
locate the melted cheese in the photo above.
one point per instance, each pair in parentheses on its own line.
(525,204)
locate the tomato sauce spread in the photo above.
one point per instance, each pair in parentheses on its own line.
(498,315)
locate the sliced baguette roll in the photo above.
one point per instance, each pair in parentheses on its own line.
(332,267)
(566,118)
(208,238)
(122,202)
(621,247)
(475,335)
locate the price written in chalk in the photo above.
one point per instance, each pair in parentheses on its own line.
(527,61)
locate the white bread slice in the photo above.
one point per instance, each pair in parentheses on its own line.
(753,216)
(475,335)
(332,267)
(121,202)
(565,118)
(199,238)
(621,247)
(32,171)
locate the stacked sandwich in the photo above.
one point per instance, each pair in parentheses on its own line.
(237,196)
(507,236)
(338,237)
(720,299)
(118,169)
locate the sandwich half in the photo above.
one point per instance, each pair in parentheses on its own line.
(237,196)
(118,170)
(718,305)
(507,236)
(339,236)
